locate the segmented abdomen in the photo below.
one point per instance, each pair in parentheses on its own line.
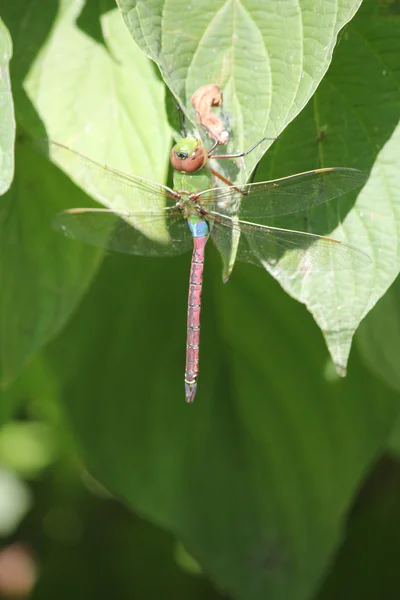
(193,318)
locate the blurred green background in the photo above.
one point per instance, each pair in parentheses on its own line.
(282,480)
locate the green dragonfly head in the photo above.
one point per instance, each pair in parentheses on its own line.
(188,155)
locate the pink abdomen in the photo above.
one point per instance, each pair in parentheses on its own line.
(193,319)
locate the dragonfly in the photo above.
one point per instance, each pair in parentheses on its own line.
(151,219)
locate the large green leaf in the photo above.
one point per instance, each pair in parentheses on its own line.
(269,64)
(73,89)
(42,275)
(7,123)
(345,122)
(256,477)
(340,300)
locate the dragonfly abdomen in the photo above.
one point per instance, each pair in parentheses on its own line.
(193,317)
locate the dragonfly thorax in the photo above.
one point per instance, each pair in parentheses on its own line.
(189,205)
(188,155)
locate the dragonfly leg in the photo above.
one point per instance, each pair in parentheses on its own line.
(240,154)
(221,177)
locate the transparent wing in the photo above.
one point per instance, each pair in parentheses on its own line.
(109,186)
(283,196)
(288,250)
(122,232)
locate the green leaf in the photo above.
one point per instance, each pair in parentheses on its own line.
(91,105)
(393,443)
(85,95)
(267,62)
(379,338)
(7,123)
(37,387)
(349,120)
(256,477)
(43,275)
(268,65)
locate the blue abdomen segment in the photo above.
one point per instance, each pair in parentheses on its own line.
(198,227)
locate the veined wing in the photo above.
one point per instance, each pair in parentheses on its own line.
(122,232)
(289,250)
(109,186)
(283,196)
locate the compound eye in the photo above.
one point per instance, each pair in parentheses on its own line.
(189,163)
